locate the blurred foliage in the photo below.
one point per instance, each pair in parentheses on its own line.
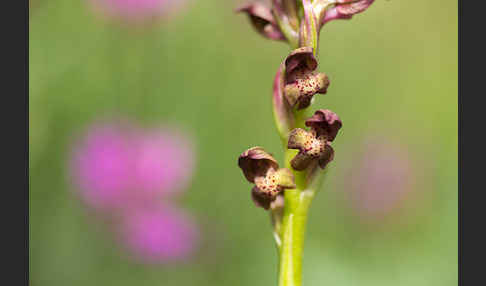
(393,72)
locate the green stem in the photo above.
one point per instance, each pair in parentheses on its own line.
(294,221)
(297,202)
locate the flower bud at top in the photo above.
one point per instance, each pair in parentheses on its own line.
(344,9)
(260,168)
(315,144)
(262,20)
(301,79)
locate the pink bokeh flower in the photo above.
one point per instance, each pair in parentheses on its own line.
(380,179)
(137,11)
(157,235)
(164,162)
(116,166)
(130,176)
(101,166)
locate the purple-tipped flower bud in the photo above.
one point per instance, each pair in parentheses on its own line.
(260,168)
(345,9)
(262,19)
(302,80)
(315,144)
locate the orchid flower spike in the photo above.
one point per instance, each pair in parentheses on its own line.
(260,168)
(314,145)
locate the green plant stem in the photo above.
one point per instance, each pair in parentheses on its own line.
(297,202)
(294,221)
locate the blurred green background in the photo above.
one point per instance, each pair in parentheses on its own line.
(393,72)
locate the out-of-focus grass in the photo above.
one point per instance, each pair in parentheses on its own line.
(393,71)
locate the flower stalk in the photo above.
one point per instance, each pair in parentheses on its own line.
(287,192)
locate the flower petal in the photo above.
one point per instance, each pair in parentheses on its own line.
(297,138)
(298,60)
(278,203)
(345,9)
(353,7)
(285,178)
(262,20)
(325,122)
(327,157)
(304,87)
(260,199)
(256,162)
(301,161)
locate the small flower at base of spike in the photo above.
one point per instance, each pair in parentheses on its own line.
(260,168)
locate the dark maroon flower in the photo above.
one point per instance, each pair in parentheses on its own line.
(315,144)
(262,19)
(302,80)
(260,168)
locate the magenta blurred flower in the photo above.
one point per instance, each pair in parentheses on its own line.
(130,174)
(380,178)
(164,162)
(159,235)
(119,167)
(101,166)
(137,10)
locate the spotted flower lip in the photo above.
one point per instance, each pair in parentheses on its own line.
(314,145)
(345,9)
(260,168)
(259,199)
(262,19)
(302,80)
